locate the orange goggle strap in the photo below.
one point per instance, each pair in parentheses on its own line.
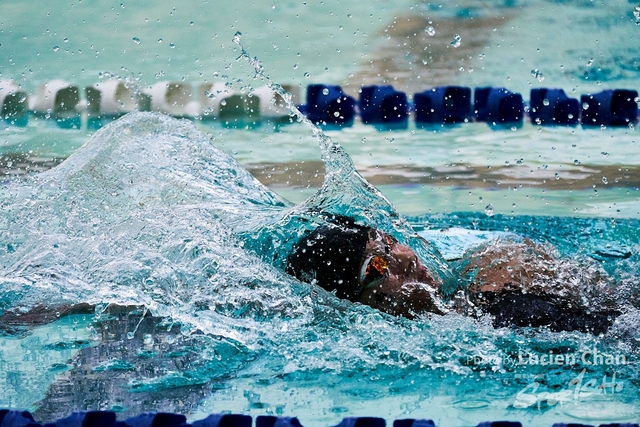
(374,268)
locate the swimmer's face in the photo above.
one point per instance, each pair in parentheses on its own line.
(395,280)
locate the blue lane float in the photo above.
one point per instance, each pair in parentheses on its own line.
(152,419)
(329,105)
(362,422)
(16,419)
(224,420)
(383,105)
(501,424)
(610,108)
(443,105)
(12,418)
(273,421)
(86,419)
(410,422)
(498,106)
(553,107)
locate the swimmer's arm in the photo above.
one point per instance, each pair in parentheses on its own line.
(13,320)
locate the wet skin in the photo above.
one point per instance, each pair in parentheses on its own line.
(407,288)
(515,282)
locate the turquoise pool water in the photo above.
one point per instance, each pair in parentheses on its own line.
(149,215)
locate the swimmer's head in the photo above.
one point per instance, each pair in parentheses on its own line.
(364,264)
(330,257)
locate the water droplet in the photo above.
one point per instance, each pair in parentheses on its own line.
(306,75)
(605,181)
(136,40)
(236,37)
(545,102)
(223,102)
(295,66)
(171,45)
(56,48)
(160,40)
(66,40)
(336,114)
(590,62)
(585,105)
(430,30)
(457,40)
(537,74)
(130,335)
(325,91)
(636,13)
(557,176)
(488,210)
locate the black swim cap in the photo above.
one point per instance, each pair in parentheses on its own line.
(330,257)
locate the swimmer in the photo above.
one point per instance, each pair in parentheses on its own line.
(514,281)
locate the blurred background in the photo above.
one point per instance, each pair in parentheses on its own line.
(580,46)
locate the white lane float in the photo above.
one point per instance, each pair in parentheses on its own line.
(57,98)
(114,98)
(272,106)
(219,101)
(172,98)
(14,104)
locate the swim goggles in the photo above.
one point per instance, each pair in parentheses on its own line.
(376,267)
(373,271)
